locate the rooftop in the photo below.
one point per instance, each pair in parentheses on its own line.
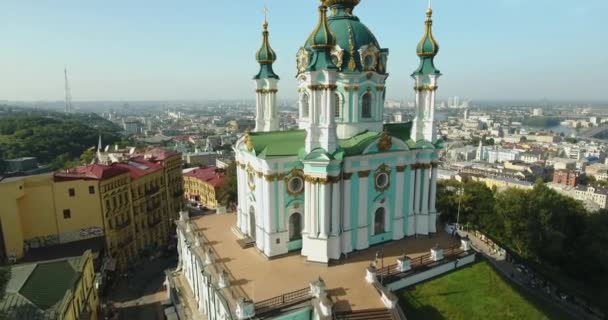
(289,143)
(90,172)
(253,274)
(211,175)
(37,290)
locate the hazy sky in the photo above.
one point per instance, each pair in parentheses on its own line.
(204,49)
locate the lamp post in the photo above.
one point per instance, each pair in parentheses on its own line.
(459,192)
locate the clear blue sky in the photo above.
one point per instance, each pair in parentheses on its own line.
(204,49)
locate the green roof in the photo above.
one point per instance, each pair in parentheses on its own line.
(277,143)
(357,144)
(48,283)
(400,131)
(290,143)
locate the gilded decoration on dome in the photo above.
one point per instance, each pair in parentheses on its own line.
(386,142)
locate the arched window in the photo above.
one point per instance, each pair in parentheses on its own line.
(295,227)
(305,105)
(338,107)
(366,105)
(379,221)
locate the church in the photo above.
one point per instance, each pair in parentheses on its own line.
(345,180)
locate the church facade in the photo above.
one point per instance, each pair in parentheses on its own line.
(345,180)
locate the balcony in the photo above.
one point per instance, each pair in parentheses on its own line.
(152,207)
(126,241)
(178,193)
(153,222)
(124,224)
(152,191)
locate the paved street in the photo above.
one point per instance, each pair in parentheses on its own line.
(139,295)
(523,279)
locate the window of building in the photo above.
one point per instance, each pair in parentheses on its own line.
(338,108)
(295,227)
(91,190)
(71,192)
(379,221)
(366,105)
(305,105)
(67,214)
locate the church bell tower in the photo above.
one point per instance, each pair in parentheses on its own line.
(425,84)
(266,82)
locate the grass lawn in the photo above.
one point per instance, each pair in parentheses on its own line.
(474,292)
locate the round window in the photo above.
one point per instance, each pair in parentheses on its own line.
(382,180)
(295,184)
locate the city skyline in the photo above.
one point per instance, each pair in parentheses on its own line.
(115,51)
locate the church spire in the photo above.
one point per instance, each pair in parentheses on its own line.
(428,47)
(265,55)
(322,41)
(266,85)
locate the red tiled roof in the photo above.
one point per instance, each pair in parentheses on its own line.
(138,167)
(210,175)
(89,172)
(159,154)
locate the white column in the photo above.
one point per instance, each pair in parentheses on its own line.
(425,191)
(398,209)
(433,196)
(411,209)
(363,228)
(269,204)
(324,204)
(281,186)
(335,210)
(346,224)
(417,192)
(307,208)
(314,210)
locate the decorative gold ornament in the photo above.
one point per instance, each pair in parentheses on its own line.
(382,178)
(346,175)
(369,57)
(321,87)
(425,87)
(386,142)
(266,91)
(337,54)
(302,60)
(401,168)
(248,142)
(352,65)
(364,173)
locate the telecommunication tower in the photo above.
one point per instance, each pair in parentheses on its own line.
(68,95)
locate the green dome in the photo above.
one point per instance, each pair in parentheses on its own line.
(351,35)
(265,54)
(265,57)
(428,47)
(322,37)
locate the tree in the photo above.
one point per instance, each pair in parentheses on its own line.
(2,163)
(228,191)
(88,155)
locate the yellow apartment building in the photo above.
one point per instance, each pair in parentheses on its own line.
(127,202)
(201,185)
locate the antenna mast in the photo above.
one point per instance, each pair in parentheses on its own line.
(68,95)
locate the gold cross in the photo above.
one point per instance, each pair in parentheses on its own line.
(265,14)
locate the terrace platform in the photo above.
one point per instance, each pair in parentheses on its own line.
(254,275)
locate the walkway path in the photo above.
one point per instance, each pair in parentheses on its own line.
(523,279)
